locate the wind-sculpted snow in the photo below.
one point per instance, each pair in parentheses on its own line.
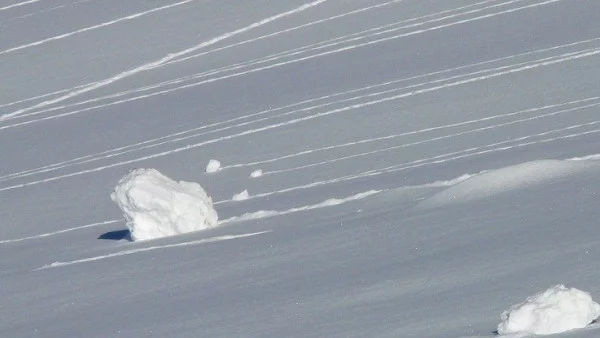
(498,181)
(156,206)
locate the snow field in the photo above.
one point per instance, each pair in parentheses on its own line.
(156,206)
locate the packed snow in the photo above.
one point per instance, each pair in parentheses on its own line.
(555,310)
(213,166)
(155,206)
(241,196)
(256,173)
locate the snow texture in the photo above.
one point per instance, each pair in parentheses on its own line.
(256,173)
(241,196)
(213,166)
(155,206)
(555,310)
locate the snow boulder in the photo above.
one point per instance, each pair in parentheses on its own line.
(555,310)
(213,166)
(155,206)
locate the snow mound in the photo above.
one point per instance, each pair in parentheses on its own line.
(155,206)
(256,173)
(493,182)
(241,196)
(213,166)
(555,310)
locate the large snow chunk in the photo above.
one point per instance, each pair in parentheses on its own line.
(555,310)
(155,206)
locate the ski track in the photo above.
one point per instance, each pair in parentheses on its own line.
(59,232)
(312,24)
(406,145)
(152,248)
(430,161)
(133,146)
(528,66)
(279,64)
(151,65)
(242,43)
(91,158)
(49,10)
(90,28)
(18,4)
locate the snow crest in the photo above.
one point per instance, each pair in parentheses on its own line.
(555,310)
(155,206)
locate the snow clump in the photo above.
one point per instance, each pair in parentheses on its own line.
(213,166)
(555,310)
(256,173)
(155,206)
(241,196)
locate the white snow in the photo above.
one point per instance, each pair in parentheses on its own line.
(468,188)
(241,196)
(155,206)
(555,310)
(256,173)
(213,166)
(446,123)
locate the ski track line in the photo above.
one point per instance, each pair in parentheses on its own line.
(414,132)
(95,157)
(406,145)
(63,164)
(49,10)
(432,161)
(167,58)
(276,65)
(152,248)
(210,72)
(311,24)
(59,232)
(140,147)
(310,117)
(327,203)
(246,64)
(90,28)
(212,51)
(18,4)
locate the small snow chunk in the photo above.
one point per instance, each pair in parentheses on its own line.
(155,206)
(241,196)
(256,173)
(213,166)
(555,310)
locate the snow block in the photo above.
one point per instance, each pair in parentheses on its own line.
(155,206)
(555,310)
(213,166)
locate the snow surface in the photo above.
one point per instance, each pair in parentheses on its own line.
(415,156)
(555,310)
(155,206)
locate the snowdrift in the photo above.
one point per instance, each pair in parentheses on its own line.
(155,206)
(493,182)
(555,310)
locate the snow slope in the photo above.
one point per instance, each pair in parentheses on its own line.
(416,156)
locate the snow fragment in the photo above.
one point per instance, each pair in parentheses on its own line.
(155,206)
(241,196)
(256,173)
(555,310)
(213,166)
